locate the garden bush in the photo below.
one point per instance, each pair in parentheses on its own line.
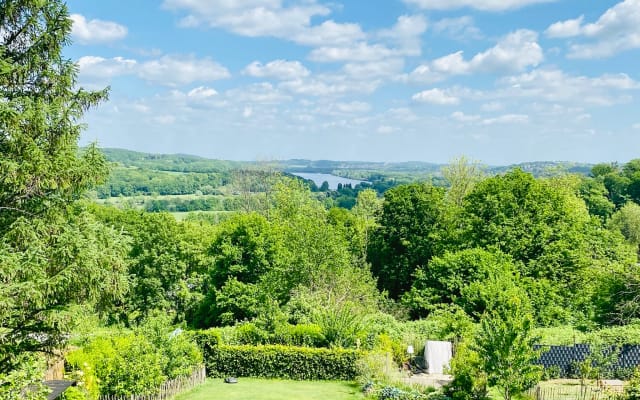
(304,335)
(137,362)
(277,361)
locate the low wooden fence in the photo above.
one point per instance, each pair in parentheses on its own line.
(168,390)
(575,392)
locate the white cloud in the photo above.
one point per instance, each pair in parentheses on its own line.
(436,96)
(273,18)
(406,33)
(247,112)
(104,68)
(617,30)
(263,93)
(514,52)
(564,29)
(167,70)
(95,30)
(249,18)
(330,85)
(556,86)
(340,108)
(175,70)
(202,92)
(461,28)
(374,69)
(330,32)
(360,52)
(278,69)
(484,5)
(636,126)
(507,119)
(462,117)
(353,107)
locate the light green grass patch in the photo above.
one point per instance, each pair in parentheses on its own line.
(266,389)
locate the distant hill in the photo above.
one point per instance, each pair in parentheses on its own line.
(191,163)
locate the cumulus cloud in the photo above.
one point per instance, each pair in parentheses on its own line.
(375,69)
(278,69)
(330,85)
(507,119)
(460,28)
(95,30)
(436,96)
(255,18)
(202,92)
(615,31)
(100,68)
(462,117)
(406,33)
(329,32)
(175,70)
(484,5)
(360,52)
(167,70)
(554,85)
(513,53)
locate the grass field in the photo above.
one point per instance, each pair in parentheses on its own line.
(263,389)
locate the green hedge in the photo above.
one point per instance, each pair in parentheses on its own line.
(275,361)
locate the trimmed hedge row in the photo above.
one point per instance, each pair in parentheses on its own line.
(275,361)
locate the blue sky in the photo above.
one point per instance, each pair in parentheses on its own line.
(500,81)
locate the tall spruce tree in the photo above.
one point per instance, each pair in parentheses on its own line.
(53,253)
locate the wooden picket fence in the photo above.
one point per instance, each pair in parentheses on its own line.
(575,392)
(168,390)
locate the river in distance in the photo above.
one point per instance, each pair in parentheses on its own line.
(332,180)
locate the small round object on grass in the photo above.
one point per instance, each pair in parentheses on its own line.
(230,379)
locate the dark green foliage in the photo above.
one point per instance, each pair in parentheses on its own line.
(274,361)
(458,278)
(52,254)
(409,235)
(167,263)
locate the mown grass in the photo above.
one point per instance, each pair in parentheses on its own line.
(266,389)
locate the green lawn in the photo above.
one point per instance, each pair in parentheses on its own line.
(264,389)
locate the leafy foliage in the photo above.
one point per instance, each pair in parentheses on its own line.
(504,343)
(275,361)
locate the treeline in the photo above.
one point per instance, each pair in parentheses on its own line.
(425,248)
(144,182)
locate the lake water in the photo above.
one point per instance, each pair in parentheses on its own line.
(332,180)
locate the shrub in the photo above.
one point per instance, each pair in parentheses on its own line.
(73,393)
(305,335)
(632,390)
(249,333)
(124,365)
(135,363)
(276,361)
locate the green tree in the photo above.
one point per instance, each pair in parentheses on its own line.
(461,175)
(408,236)
(627,222)
(504,343)
(52,254)
(462,278)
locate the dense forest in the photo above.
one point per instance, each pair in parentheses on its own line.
(288,264)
